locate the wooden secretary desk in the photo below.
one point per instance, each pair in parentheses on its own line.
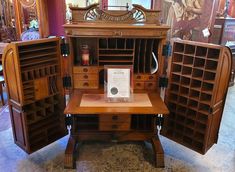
(35,75)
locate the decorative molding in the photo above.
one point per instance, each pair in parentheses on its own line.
(93,13)
(28,3)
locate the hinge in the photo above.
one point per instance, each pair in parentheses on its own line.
(64,47)
(67,82)
(163,82)
(167,50)
(159,120)
(68,120)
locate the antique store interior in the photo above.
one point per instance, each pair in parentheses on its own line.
(117,85)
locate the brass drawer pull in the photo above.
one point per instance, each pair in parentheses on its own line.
(85,70)
(85,76)
(151,77)
(115,117)
(85,84)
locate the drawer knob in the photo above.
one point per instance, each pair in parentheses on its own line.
(150,84)
(85,84)
(85,76)
(85,70)
(138,85)
(150,77)
(138,77)
(114,126)
(115,117)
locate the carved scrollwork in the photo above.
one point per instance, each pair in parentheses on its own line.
(93,13)
(28,3)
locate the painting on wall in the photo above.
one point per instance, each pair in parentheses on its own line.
(187,18)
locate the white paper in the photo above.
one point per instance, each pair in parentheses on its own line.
(206,32)
(118,85)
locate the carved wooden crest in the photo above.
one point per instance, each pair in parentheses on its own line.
(93,13)
(27,3)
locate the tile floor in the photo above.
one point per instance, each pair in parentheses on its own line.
(99,157)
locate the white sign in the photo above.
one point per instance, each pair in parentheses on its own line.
(118,83)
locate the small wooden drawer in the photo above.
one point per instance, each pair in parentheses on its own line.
(139,85)
(85,77)
(113,126)
(86,69)
(106,118)
(86,84)
(150,85)
(145,77)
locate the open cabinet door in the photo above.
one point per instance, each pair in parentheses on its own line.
(32,72)
(198,83)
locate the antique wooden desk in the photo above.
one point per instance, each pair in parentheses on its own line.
(122,123)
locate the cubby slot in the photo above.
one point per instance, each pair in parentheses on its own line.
(30,117)
(189,49)
(193,104)
(187,71)
(178,135)
(180,109)
(180,118)
(188,60)
(177,58)
(201,51)
(183,100)
(121,43)
(197,73)
(201,127)
(175,78)
(103,43)
(202,118)
(129,43)
(209,76)
(213,53)
(194,94)
(172,115)
(191,114)
(176,68)
(188,132)
(178,47)
(173,97)
(179,128)
(204,108)
(211,65)
(174,88)
(199,137)
(141,122)
(184,91)
(190,123)
(196,83)
(187,140)
(112,43)
(206,98)
(86,122)
(37,47)
(207,87)
(185,81)
(199,63)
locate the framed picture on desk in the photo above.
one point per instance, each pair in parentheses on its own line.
(118,83)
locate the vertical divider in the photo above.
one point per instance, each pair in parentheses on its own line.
(138,55)
(144,55)
(151,58)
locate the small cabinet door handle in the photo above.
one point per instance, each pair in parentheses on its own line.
(85,70)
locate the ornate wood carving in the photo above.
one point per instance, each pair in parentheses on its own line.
(28,3)
(93,13)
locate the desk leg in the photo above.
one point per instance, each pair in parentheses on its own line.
(70,154)
(158,152)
